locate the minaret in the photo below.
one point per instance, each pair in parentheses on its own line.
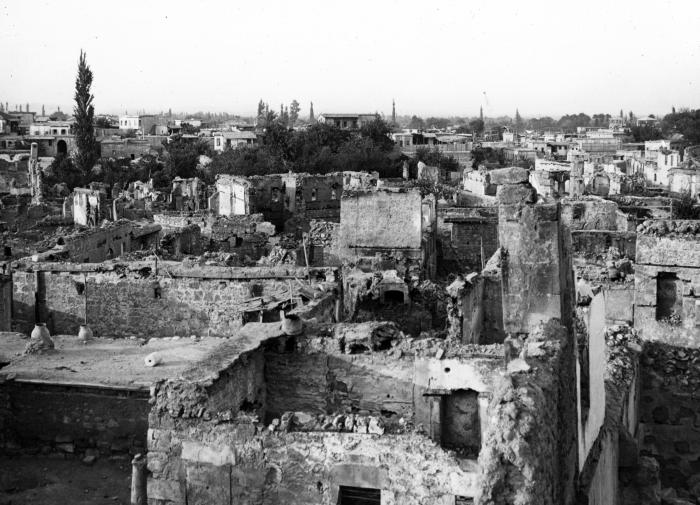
(43,112)
(393,111)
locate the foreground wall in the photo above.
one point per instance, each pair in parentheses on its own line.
(67,420)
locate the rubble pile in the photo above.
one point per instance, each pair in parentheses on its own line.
(668,227)
(342,422)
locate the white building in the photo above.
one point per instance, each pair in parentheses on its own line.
(231,140)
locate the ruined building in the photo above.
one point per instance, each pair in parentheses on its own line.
(522,350)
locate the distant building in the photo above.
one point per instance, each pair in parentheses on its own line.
(225,140)
(143,123)
(347,121)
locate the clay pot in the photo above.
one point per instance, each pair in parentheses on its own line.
(85,333)
(40,337)
(292,325)
(40,332)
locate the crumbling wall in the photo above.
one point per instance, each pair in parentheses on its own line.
(528,451)
(131,299)
(492,301)
(319,379)
(614,455)
(179,242)
(589,213)
(596,243)
(323,246)
(466,238)
(207,442)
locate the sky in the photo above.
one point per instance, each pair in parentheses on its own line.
(439,58)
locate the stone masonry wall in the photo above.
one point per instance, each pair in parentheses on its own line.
(659,256)
(123,302)
(528,454)
(670,411)
(69,420)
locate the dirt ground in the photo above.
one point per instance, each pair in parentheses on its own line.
(42,481)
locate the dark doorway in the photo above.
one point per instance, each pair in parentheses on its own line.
(668,295)
(461,430)
(61,147)
(393,296)
(349,495)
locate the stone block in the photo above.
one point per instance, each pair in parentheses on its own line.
(161,489)
(516,193)
(509,175)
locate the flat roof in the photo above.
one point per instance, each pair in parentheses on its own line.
(103,362)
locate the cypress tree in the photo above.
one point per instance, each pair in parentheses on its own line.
(84,113)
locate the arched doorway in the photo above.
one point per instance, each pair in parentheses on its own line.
(61,147)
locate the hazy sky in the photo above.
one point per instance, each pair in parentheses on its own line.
(433,58)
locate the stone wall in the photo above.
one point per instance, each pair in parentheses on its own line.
(492,302)
(131,299)
(68,420)
(667,288)
(464,234)
(214,435)
(528,454)
(670,411)
(381,220)
(596,243)
(590,213)
(532,276)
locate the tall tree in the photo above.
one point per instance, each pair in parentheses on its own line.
(518,121)
(84,113)
(293,112)
(311,113)
(261,111)
(43,112)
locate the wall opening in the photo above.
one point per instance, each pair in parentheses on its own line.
(61,147)
(669,302)
(349,495)
(393,296)
(461,430)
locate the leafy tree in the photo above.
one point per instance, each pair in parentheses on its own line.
(416,123)
(84,113)
(435,158)
(378,131)
(685,122)
(542,123)
(182,156)
(437,122)
(570,122)
(518,121)
(646,132)
(294,112)
(260,117)
(63,169)
(102,122)
(476,126)
(686,207)
(188,129)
